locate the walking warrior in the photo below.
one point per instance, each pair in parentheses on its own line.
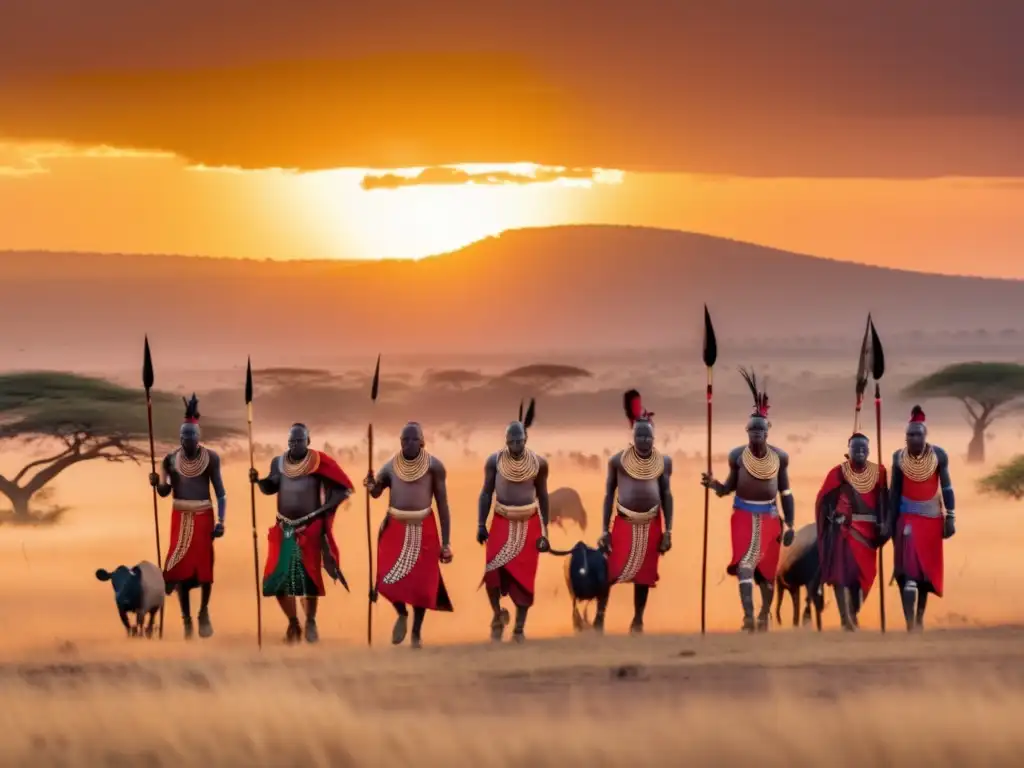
(758,474)
(309,485)
(851,513)
(409,550)
(921,487)
(516,479)
(188,473)
(638,489)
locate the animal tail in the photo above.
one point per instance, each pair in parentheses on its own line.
(559,552)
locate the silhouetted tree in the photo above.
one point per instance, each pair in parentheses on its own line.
(1007,480)
(78,418)
(987,390)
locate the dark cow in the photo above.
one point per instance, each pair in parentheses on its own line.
(799,566)
(138,590)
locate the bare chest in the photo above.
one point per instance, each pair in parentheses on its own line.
(514,494)
(191,488)
(751,488)
(414,496)
(298,496)
(638,495)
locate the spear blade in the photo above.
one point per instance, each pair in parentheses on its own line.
(865,362)
(877,353)
(376,381)
(147,366)
(248,381)
(710,342)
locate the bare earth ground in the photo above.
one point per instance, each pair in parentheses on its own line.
(75,691)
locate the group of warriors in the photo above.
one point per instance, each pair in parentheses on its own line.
(856,513)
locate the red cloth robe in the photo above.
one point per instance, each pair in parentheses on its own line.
(409,564)
(512,557)
(917,540)
(634,555)
(759,531)
(310,537)
(846,560)
(189,559)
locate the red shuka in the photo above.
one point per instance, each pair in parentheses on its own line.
(766,555)
(845,559)
(190,552)
(634,552)
(917,540)
(409,564)
(309,538)
(517,575)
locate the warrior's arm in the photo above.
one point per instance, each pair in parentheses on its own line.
(270,484)
(945,483)
(218,486)
(381,481)
(541,484)
(611,484)
(895,490)
(785,491)
(487,492)
(165,487)
(883,497)
(335,494)
(440,480)
(665,487)
(723,489)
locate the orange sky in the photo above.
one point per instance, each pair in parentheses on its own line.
(887,135)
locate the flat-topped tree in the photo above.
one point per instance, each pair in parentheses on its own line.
(1006,481)
(71,419)
(987,390)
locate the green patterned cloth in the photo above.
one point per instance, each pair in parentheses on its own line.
(289,578)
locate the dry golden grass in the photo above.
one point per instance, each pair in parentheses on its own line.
(74,691)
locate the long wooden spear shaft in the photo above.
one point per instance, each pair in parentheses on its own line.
(710,356)
(252,506)
(374,387)
(877,371)
(147,384)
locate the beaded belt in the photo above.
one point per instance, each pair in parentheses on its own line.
(930,508)
(524,512)
(755,507)
(196,506)
(863,519)
(638,517)
(410,515)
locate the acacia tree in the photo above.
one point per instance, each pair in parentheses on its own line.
(1007,480)
(71,419)
(987,391)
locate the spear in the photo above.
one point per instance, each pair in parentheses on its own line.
(252,505)
(862,373)
(147,384)
(877,370)
(710,356)
(374,387)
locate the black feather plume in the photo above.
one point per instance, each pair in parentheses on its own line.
(191,408)
(760,396)
(527,420)
(520,417)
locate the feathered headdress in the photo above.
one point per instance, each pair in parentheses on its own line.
(526,419)
(634,408)
(191,409)
(916,415)
(760,396)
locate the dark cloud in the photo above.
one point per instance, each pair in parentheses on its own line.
(442,175)
(874,88)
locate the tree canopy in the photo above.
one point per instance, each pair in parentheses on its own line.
(86,418)
(987,391)
(1007,480)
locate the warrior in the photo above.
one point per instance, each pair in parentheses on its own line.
(638,489)
(188,473)
(516,479)
(758,474)
(409,548)
(921,487)
(309,485)
(851,516)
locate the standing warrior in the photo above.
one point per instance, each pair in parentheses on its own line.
(851,512)
(309,485)
(919,472)
(638,488)
(188,473)
(516,479)
(758,474)
(409,549)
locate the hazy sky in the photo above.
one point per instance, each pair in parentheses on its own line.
(876,131)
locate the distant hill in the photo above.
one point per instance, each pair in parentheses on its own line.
(528,291)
